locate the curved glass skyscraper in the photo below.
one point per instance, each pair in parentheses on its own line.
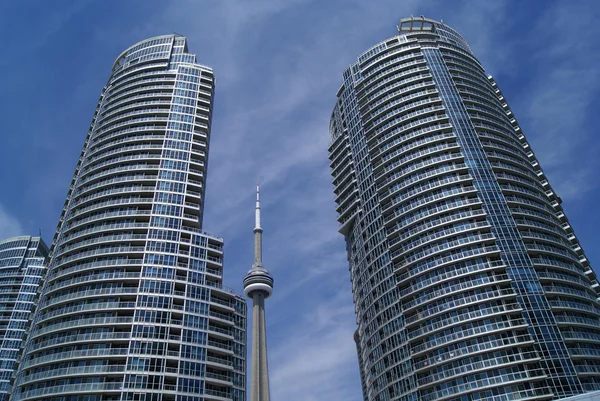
(133,306)
(468,281)
(22,269)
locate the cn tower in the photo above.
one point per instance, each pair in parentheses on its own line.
(258,285)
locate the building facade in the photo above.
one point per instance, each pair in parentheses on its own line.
(468,281)
(22,269)
(133,307)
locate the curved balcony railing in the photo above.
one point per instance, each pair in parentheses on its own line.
(115,170)
(105,122)
(416,156)
(423,163)
(440,341)
(70,355)
(102,370)
(565,277)
(433,223)
(544,226)
(117,160)
(132,212)
(71,388)
(398,99)
(90,322)
(501,380)
(104,114)
(430,186)
(410,135)
(398,89)
(100,240)
(98,292)
(128,148)
(494,362)
(95,278)
(443,233)
(104,227)
(537,247)
(439,277)
(437,137)
(438,169)
(561,289)
(468,253)
(577,321)
(111,202)
(403,68)
(449,290)
(113,191)
(576,305)
(549,260)
(535,213)
(442,246)
(458,303)
(496,344)
(400,118)
(85,307)
(481,313)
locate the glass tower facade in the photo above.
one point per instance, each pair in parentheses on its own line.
(22,270)
(133,306)
(468,281)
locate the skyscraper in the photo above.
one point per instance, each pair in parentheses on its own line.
(133,307)
(21,271)
(258,285)
(468,281)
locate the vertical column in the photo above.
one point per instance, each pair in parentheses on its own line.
(264,377)
(256,350)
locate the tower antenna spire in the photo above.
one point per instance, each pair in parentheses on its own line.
(257,231)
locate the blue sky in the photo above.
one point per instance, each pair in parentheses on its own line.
(278,66)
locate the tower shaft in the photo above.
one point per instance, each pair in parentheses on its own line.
(259,387)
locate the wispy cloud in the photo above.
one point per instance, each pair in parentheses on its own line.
(559,100)
(484,24)
(9,226)
(318,357)
(50,22)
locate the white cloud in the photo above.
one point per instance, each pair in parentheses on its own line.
(9,226)
(317,358)
(558,103)
(54,20)
(483,24)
